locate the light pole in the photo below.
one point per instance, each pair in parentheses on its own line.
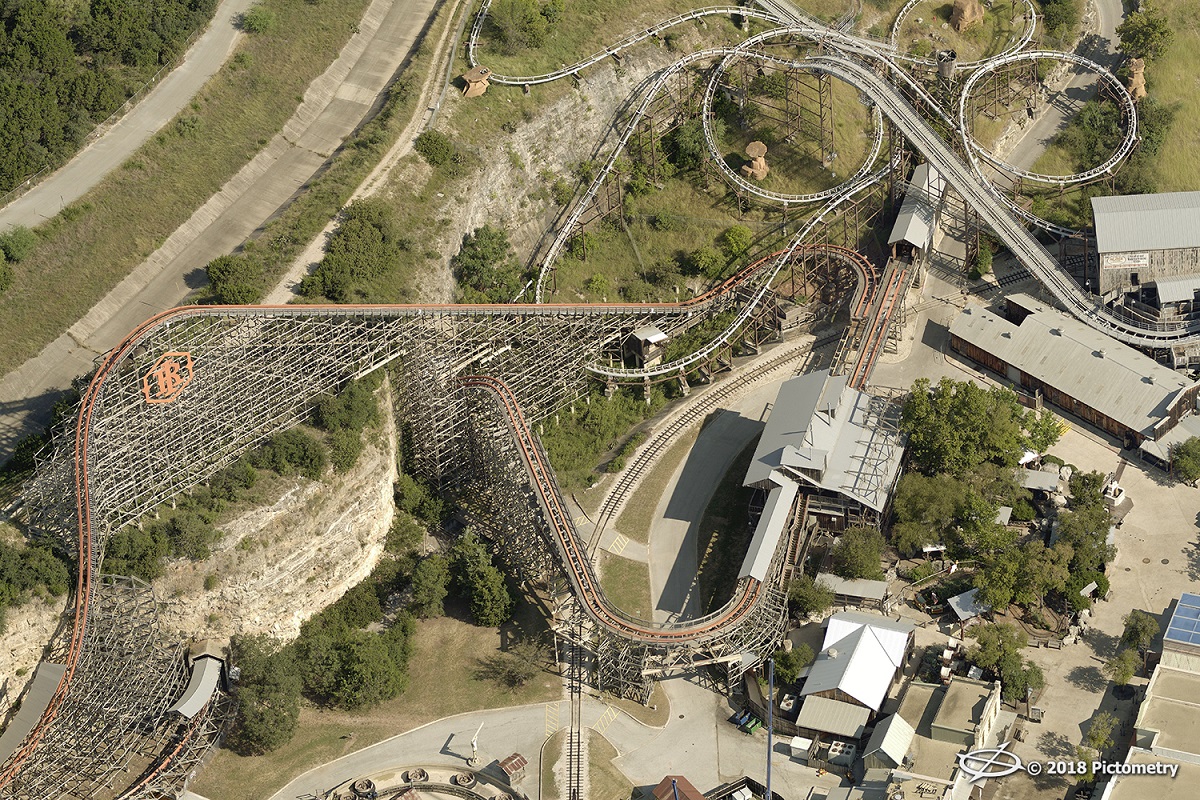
(474,759)
(770,720)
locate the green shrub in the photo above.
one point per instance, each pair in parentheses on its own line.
(344,449)
(6,274)
(258,20)
(290,452)
(561,192)
(435,147)
(17,243)
(235,279)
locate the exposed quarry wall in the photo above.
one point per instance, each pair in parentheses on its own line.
(281,564)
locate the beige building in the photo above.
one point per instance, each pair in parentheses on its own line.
(1142,238)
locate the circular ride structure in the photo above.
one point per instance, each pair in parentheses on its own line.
(977,155)
(1110,84)
(1030,17)
(252,371)
(739,181)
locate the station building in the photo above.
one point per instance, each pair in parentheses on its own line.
(1091,375)
(1149,251)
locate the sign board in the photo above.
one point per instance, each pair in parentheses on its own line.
(1124,260)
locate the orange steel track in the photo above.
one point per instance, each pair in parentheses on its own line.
(575,558)
(588,588)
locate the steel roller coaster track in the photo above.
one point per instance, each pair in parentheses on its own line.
(264,364)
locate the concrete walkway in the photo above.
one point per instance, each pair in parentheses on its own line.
(698,741)
(109,149)
(334,105)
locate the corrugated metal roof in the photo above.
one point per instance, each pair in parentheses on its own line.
(860,656)
(206,672)
(892,738)
(1062,352)
(859,587)
(893,633)
(1130,222)
(770,526)
(1188,427)
(33,705)
(1177,290)
(795,404)
(915,222)
(650,334)
(823,433)
(1038,480)
(833,716)
(967,606)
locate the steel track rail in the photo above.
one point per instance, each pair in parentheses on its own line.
(578,564)
(1128,112)
(627,42)
(1019,45)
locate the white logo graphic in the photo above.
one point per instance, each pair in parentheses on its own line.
(992,762)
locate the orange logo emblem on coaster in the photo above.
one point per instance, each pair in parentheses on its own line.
(171,373)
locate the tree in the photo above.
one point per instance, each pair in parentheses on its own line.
(367,674)
(955,426)
(1185,460)
(998,649)
(520,24)
(491,604)
(1122,667)
(1099,735)
(1044,430)
(515,667)
(995,642)
(1140,630)
(1145,34)
(268,695)
(926,510)
(476,579)
(485,267)
(687,146)
(788,663)
(707,261)
(1087,489)
(236,280)
(430,584)
(806,596)
(737,241)
(858,553)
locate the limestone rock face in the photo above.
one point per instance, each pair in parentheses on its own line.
(757,169)
(965,14)
(1137,79)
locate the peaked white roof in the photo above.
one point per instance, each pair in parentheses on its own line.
(860,656)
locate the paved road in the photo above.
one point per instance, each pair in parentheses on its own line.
(697,740)
(1100,47)
(334,105)
(129,133)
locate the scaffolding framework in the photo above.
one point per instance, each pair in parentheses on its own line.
(114,721)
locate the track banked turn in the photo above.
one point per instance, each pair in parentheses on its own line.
(252,371)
